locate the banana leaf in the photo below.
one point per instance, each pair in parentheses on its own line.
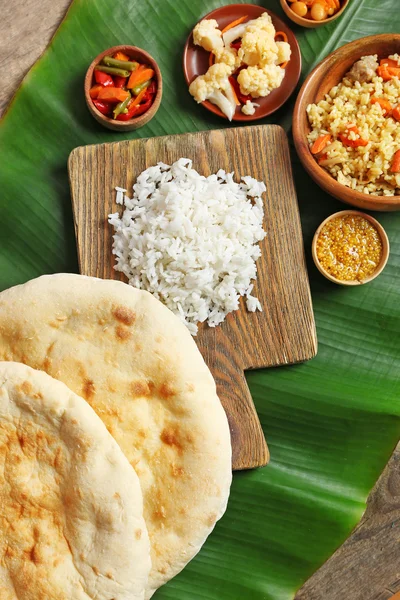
(332,423)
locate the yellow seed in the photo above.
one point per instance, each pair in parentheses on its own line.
(349,248)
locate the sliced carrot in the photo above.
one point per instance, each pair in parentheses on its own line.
(234,23)
(94,91)
(352,143)
(138,98)
(384,104)
(389,62)
(396,113)
(384,73)
(394,71)
(284,65)
(112,94)
(395,168)
(211,59)
(281,34)
(322,157)
(139,76)
(237,102)
(387,73)
(121,56)
(320,143)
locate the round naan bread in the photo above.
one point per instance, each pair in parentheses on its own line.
(71,509)
(137,365)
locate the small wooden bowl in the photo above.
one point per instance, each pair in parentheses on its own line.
(382,234)
(310,23)
(326,75)
(135,54)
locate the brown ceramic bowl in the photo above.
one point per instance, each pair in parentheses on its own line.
(310,23)
(385,248)
(327,74)
(195,61)
(135,54)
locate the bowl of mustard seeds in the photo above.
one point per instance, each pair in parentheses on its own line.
(350,248)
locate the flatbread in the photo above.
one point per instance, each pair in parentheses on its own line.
(71,509)
(139,368)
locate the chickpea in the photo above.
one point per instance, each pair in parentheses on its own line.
(318,12)
(299,8)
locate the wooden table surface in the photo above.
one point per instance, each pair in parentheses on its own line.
(367,566)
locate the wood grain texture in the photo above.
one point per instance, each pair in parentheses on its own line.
(26,28)
(27,25)
(367,566)
(284,332)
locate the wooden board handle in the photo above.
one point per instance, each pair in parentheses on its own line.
(249,448)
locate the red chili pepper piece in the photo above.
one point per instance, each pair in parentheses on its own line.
(242,98)
(236,45)
(119,82)
(137,110)
(152,88)
(102,107)
(103,78)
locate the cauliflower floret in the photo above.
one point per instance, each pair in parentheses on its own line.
(262,23)
(258,47)
(284,52)
(216,78)
(215,87)
(249,108)
(260,82)
(258,43)
(207,35)
(234,34)
(228,56)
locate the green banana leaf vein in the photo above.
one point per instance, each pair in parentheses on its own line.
(332,423)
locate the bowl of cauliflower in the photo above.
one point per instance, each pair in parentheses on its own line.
(241,62)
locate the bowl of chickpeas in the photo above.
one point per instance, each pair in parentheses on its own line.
(313,13)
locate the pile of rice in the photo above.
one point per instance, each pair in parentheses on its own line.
(190,240)
(366,168)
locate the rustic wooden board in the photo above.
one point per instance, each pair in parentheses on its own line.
(284,332)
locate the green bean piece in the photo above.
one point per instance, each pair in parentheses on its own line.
(120,64)
(112,71)
(141,87)
(120,108)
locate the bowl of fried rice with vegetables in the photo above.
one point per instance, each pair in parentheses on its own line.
(346,123)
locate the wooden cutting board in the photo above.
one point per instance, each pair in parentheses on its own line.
(284,332)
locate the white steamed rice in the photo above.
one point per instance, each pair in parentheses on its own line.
(190,240)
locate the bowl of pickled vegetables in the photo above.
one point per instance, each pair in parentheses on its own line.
(313,13)
(123,88)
